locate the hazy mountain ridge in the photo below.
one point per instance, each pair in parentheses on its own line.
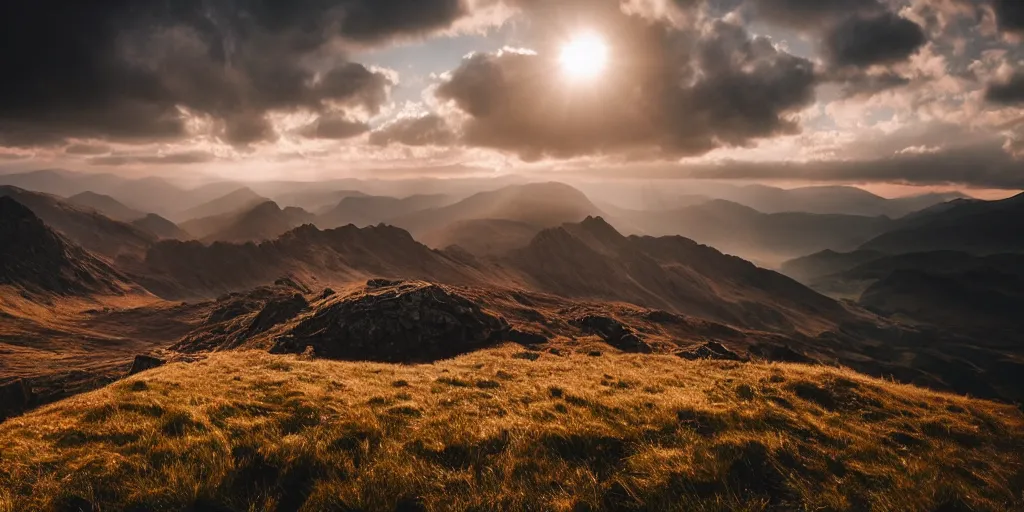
(39,261)
(977,227)
(90,229)
(363,210)
(106,205)
(161,227)
(768,238)
(537,204)
(240,199)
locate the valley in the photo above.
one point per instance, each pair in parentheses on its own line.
(521,284)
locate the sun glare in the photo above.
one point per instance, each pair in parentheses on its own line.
(584,57)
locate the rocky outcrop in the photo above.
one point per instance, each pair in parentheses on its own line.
(143,363)
(237,318)
(711,350)
(612,332)
(394,322)
(780,354)
(277,312)
(15,397)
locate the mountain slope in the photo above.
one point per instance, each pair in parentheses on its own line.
(37,260)
(192,269)
(106,205)
(831,200)
(984,301)
(495,430)
(592,259)
(161,227)
(767,238)
(976,227)
(315,200)
(538,204)
(362,210)
(809,268)
(241,199)
(265,221)
(87,228)
(483,237)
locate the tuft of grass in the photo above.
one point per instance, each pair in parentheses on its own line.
(511,434)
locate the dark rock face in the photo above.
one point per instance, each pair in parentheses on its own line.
(711,350)
(395,322)
(277,312)
(238,317)
(143,363)
(37,259)
(524,337)
(780,354)
(612,332)
(381,283)
(15,397)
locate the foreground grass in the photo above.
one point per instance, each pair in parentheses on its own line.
(505,430)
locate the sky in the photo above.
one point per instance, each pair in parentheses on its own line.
(882,93)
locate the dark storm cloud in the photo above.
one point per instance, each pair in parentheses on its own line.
(881,39)
(334,127)
(428,130)
(120,69)
(1009,14)
(809,14)
(852,32)
(861,84)
(679,92)
(1009,92)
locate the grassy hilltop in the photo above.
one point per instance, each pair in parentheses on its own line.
(504,429)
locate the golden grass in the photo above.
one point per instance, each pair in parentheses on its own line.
(493,431)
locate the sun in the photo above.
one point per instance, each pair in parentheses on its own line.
(584,57)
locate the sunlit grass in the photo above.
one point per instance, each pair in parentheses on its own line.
(493,431)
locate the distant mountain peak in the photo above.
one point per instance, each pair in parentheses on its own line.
(39,260)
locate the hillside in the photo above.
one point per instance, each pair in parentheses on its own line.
(315,200)
(483,237)
(807,269)
(176,270)
(362,210)
(976,227)
(830,200)
(238,200)
(92,230)
(38,261)
(265,221)
(161,227)
(593,260)
(106,205)
(540,205)
(982,301)
(768,239)
(849,275)
(512,430)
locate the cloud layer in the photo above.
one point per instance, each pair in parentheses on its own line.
(791,89)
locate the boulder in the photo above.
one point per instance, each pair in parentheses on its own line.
(612,332)
(395,322)
(277,312)
(780,354)
(15,397)
(711,350)
(143,363)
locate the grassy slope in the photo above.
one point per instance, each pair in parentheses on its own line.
(499,430)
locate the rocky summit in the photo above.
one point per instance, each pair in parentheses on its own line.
(394,322)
